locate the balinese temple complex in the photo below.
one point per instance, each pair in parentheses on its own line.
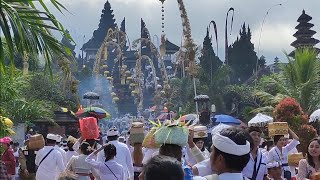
(304,34)
(90,48)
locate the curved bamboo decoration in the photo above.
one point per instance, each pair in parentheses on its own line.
(216,33)
(154,50)
(139,80)
(226,35)
(114,39)
(103,50)
(136,44)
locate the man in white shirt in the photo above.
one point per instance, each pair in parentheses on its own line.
(202,168)
(57,147)
(49,161)
(230,154)
(123,156)
(256,168)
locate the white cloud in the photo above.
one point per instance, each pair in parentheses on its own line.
(135,2)
(276,36)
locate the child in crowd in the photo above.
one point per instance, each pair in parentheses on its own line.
(275,171)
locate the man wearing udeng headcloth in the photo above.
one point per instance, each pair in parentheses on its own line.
(230,154)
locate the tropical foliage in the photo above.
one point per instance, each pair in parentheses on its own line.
(299,80)
(14,105)
(27,30)
(32,97)
(183,94)
(302,78)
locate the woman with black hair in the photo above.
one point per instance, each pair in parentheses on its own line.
(279,153)
(78,165)
(162,167)
(93,143)
(200,144)
(267,145)
(171,150)
(110,169)
(311,164)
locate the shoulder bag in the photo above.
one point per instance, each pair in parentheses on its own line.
(45,156)
(111,171)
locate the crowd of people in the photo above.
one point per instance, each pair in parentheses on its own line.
(233,154)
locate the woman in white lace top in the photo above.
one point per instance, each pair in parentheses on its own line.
(311,164)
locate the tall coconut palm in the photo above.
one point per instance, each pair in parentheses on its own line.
(27,30)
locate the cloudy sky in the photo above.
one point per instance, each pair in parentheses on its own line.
(276,34)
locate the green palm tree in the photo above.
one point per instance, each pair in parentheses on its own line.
(299,79)
(303,76)
(27,30)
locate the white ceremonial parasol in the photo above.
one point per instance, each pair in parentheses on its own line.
(260,120)
(315,116)
(216,129)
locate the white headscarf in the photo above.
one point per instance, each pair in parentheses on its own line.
(226,145)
